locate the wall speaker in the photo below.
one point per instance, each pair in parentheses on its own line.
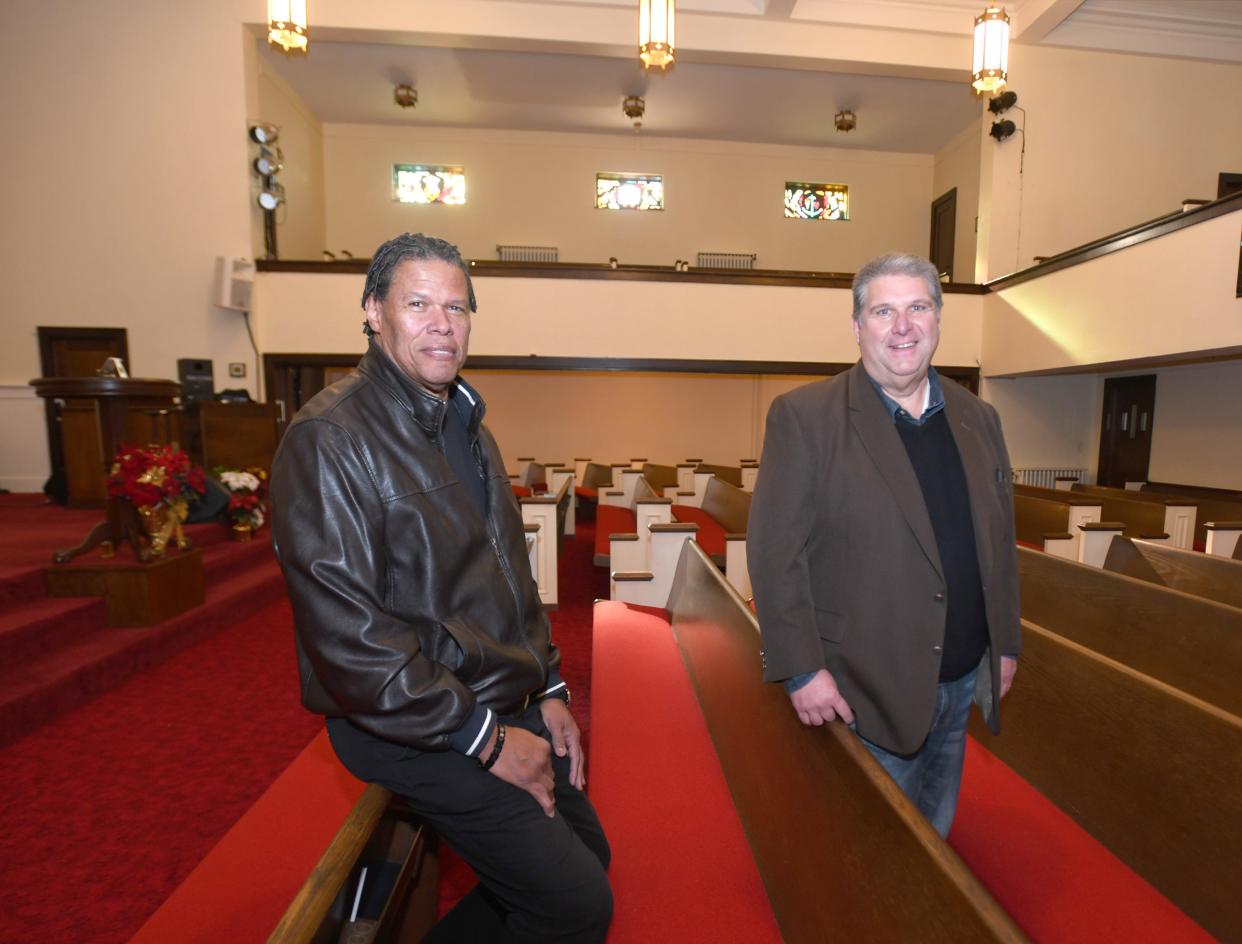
(234,280)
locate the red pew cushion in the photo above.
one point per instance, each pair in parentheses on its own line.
(711,536)
(611,519)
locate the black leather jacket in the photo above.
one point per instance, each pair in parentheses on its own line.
(410,609)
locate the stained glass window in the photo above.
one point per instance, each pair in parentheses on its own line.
(629,191)
(804,201)
(428,183)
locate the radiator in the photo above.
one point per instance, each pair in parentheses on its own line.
(1047,478)
(528,254)
(726,260)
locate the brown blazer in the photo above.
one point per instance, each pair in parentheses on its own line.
(843,559)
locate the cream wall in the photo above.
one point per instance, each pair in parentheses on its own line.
(538,189)
(304,313)
(957,165)
(1166,296)
(300,220)
(1111,140)
(1197,436)
(1049,422)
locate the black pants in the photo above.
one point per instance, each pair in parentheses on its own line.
(540,878)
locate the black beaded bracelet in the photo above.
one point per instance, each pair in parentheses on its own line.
(495,754)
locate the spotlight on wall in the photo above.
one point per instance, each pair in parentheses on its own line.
(269,161)
(405,95)
(271,196)
(264,134)
(1002,129)
(845,120)
(634,109)
(1002,102)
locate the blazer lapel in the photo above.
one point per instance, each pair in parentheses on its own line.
(879,437)
(979,465)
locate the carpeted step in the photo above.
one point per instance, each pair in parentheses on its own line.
(20,585)
(58,680)
(28,630)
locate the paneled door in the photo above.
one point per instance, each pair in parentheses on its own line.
(1125,429)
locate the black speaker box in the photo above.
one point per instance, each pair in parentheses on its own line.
(197,382)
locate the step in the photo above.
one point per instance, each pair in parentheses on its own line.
(31,629)
(21,585)
(50,685)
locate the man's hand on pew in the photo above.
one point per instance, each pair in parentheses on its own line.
(819,701)
(565,737)
(1009,668)
(526,762)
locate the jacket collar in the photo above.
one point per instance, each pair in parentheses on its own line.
(427,410)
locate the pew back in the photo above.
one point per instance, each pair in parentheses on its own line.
(660,477)
(1201,575)
(898,881)
(1213,506)
(1149,771)
(1185,641)
(728,504)
(729,473)
(1145,513)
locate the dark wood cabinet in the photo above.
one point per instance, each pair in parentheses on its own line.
(233,435)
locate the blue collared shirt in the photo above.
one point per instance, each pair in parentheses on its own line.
(935,400)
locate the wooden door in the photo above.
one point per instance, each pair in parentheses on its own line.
(72,429)
(1125,429)
(943,232)
(292,379)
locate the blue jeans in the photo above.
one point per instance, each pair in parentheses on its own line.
(932,776)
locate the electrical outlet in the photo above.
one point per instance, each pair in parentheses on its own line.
(237,369)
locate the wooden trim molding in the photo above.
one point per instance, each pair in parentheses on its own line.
(1152,229)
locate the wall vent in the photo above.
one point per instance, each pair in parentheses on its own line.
(1047,478)
(726,260)
(528,254)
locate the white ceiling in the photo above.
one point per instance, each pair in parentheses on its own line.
(578,86)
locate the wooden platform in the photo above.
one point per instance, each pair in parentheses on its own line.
(135,594)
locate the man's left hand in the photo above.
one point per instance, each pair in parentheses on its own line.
(565,737)
(1009,668)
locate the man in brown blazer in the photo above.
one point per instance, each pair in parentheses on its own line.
(881,544)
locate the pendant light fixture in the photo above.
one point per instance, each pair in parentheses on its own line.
(656,33)
(991,59)
(286,25)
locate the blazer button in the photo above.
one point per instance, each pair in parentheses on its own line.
(937,649)
(939,598)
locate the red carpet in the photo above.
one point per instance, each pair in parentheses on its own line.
(107,809)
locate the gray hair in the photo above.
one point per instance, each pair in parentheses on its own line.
(409,246)
(896,263)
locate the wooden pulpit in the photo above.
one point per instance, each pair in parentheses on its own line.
(96,415)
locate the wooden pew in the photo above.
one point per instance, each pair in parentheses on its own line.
(1213,505)
(1148,770)
(842,853)
(750,474)
(1224,539)
(660,477)
(1193,491)
(1171,517)
(730,473)
(1141,519)
(1201,575)
(722,519)
(1184,641)
(547,512)
(1052,523)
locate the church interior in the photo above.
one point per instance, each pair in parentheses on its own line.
(658,251)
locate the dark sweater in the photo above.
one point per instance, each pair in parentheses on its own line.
(938,466)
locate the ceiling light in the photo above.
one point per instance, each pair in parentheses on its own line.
(264,134)
(634,109)
(991,59)
(286,25)
(656,33)
(405,95)
(845,120)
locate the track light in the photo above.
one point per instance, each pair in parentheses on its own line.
(1002,129)
(1002,102)
(269,162)
(264,134)
(271,196)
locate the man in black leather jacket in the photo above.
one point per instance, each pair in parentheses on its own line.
(420,634)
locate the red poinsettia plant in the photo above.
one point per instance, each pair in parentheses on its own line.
(247,490)
(155,475)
